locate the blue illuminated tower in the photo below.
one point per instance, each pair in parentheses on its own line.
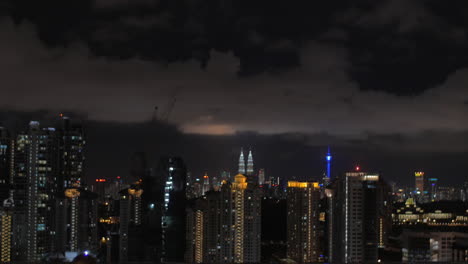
(329,158)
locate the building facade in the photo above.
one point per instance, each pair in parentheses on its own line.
(359,209)
(303,205)
(225,226)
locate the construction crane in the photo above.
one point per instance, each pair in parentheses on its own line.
(164,116)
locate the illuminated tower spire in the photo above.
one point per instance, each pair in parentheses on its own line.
(242,163)
(329,158)
(250,164)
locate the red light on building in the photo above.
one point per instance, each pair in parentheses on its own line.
(206,176)
(118,177)
(358,168)
(100,180)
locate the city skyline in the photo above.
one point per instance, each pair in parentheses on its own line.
(351,75)
(233,131)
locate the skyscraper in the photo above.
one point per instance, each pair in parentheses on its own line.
(6,163)
(242,169)
(47,162)
(303,200)
(206,183)
(419,181)
(174,173)
(358,205)
(433,186)
(35,170)
(224,227)
(131,247)
(6,224)
(250,164)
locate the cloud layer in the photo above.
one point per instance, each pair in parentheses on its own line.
(318,97)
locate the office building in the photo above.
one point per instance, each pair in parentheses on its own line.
(303,205)
(419,181)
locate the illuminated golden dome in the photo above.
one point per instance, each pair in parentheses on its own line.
(239,178)
(135,192)
(72,193)
(240,182)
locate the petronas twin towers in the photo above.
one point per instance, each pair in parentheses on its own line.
(243,169)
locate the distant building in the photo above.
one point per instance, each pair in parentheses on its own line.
(206,183)
(436,214)
(434,246)
(449,193)
(242,169)
(419,181)
(433,188)
(303,203)
(261,177)
(250,164)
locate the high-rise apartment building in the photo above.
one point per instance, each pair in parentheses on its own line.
(130,228)
(47,162)
(35,171)
(224,226)
(6,163)
(6,225)
(358,205)
(303,205)
(174,173)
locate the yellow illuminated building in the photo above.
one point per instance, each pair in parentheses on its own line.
(199,237)
(296,184)
(6,237)
(303,221)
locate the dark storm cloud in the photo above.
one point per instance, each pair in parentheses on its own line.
(404,47)
(319,97)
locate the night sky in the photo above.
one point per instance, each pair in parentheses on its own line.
(385,83)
